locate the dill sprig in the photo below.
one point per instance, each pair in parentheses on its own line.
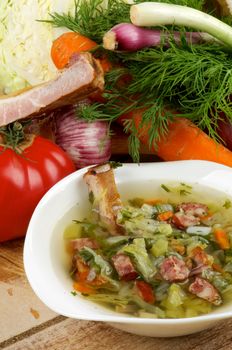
(133,140)
(195,79)
(95,111)
(119,103)
(92,18)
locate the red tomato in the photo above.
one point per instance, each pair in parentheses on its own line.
(24,179)
(145,291)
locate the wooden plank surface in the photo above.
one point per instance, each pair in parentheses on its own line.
(82,335)
(20,309)
(27,324)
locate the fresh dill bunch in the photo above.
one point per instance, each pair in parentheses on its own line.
(227,20)
(92,18)
(155,113)
(196,79)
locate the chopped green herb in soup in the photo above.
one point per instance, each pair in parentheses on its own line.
(153,258)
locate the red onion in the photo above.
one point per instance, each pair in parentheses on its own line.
(128,37)
(86,143)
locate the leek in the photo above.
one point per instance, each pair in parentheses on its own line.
(149,14)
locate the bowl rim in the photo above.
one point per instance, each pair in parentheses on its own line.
(115,318)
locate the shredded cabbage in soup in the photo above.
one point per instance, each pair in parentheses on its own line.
(168,260)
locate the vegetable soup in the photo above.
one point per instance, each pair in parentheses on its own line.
(169,255)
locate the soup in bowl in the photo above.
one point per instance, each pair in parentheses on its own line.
(158,266)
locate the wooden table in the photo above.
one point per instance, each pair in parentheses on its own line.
(26,323)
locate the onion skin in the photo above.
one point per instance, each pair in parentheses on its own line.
(128,37)
(86,143)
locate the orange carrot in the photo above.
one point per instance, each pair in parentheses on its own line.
(82,270)
(221,238)
(206,217)
(179,248)
(69,43)
(165,215)
(66,45)
(152,201)
(184,140)
(217,268)
(83,288)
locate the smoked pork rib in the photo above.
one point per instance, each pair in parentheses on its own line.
(82,78)
(105,197)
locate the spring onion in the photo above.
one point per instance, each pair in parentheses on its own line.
(159,14)
(128,37)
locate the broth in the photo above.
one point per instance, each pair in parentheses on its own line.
(189,305)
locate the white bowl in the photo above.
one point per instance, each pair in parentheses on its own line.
(45,264)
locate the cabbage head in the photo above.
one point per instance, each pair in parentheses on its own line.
(25,43)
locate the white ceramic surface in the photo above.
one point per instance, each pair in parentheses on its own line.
(44,258)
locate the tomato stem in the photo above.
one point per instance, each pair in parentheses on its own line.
(13,134)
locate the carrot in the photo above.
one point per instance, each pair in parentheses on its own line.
(183,140)
(66,45)
(152,201)
(206,217)
(119,142)
(221,238)
(82,270)
(83,288)
(165,216)
(69,43)
(217,268)
(179,248)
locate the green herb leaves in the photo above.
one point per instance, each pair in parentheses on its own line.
(227,204)
(92,18)
(89,254)
(196,79)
